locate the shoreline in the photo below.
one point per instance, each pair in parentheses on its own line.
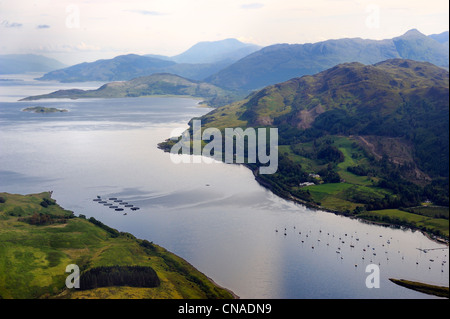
(437,239)
(191,276)
(235,297)
(432,237)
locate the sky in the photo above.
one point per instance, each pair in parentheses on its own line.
(76,31)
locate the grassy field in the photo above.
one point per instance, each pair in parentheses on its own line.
(353,191)
(400,217)
(431,211)
(342,196)
(352,157)
(34,257)
(330,196)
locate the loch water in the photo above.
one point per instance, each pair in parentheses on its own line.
(216,216)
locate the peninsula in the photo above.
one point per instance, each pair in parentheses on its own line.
(161,84)
(40,239)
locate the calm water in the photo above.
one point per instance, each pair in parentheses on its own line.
(216,216)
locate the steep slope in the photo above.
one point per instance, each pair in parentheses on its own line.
(281,62)
(378,135)
(395,98)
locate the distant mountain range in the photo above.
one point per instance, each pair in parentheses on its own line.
(123,67)
(280,62)
(155,84)
(27,63)
(197,63)
(234,65)
(441,38)
(130,66)
(228,50)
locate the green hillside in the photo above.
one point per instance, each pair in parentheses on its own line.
(400,99)
(369,137)
(38,239)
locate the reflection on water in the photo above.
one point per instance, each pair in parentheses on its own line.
(214,215)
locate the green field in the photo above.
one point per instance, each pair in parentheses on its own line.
(352,157)
(431,211)
(330,196)
(400,217)
(342,196)
(353,191)
(34,257)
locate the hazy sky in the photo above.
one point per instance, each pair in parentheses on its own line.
(86,30)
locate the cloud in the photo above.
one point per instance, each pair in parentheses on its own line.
(87,47)
(251,6)
(8,24)
(147,13)
(68,48)
(43,26)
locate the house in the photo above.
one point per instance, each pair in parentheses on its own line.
(306,184)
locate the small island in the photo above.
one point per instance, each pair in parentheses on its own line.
(41,109)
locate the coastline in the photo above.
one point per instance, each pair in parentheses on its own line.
(166,146)
(235,297)
(179,278)
(430,236)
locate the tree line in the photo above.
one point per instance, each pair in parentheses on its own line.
(109,276)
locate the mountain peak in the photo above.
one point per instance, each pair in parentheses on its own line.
(413,32)
(280,62)
(214,51)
